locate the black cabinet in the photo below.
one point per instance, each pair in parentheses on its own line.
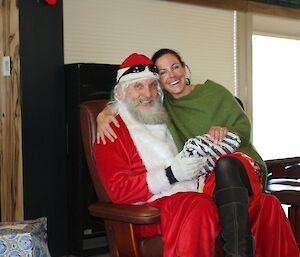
(83,82)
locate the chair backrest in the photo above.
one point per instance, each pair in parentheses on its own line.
(240,102)
(88,113)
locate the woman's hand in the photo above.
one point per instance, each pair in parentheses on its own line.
(104,129)
(218,133)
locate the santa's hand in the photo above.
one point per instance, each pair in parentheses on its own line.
(185,168)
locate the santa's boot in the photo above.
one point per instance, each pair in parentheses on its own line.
(236,233)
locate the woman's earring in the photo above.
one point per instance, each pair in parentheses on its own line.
(187,81)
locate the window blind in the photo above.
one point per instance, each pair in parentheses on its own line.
(276,26)
(106,31)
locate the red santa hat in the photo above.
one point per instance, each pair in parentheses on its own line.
(136,66)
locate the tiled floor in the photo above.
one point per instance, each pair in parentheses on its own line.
(100,255)
(93,243)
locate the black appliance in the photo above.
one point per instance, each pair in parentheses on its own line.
(83,81)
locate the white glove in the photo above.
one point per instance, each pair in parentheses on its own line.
(186,168)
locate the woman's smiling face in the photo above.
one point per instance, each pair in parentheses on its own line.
(172,75)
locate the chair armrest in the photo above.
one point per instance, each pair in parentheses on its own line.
(282,162)
(289,197)
(134,214)
(284,168)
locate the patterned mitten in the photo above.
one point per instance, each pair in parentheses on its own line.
(203,146)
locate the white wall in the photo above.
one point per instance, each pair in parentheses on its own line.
(106,31)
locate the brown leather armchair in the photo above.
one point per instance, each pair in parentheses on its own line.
(119,219)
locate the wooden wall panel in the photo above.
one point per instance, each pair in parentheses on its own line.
(11,178)
(239,5)
(274,10)
(247,6)
(43,119)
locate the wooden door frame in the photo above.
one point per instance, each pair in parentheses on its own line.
(11,168)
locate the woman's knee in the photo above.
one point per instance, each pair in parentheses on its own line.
(227,170)
(227,163)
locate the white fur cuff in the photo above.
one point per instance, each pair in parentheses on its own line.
(157,180)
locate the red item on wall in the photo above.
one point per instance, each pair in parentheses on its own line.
(51,2)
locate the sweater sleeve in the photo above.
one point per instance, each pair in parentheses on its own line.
(121,169)
(240,124)
(227,112)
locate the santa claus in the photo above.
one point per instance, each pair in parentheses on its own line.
(143,166)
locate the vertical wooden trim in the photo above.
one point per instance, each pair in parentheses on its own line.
(244,38)
(11,169)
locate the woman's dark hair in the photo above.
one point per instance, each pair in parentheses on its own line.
(163,51)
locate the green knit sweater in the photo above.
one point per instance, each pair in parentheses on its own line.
(209,104)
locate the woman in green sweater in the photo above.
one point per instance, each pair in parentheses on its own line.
(237,178)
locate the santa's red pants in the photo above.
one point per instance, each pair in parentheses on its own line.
(189,222)
(189,225)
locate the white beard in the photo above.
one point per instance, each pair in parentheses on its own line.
(156,114)
(157,149)
(153,141)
